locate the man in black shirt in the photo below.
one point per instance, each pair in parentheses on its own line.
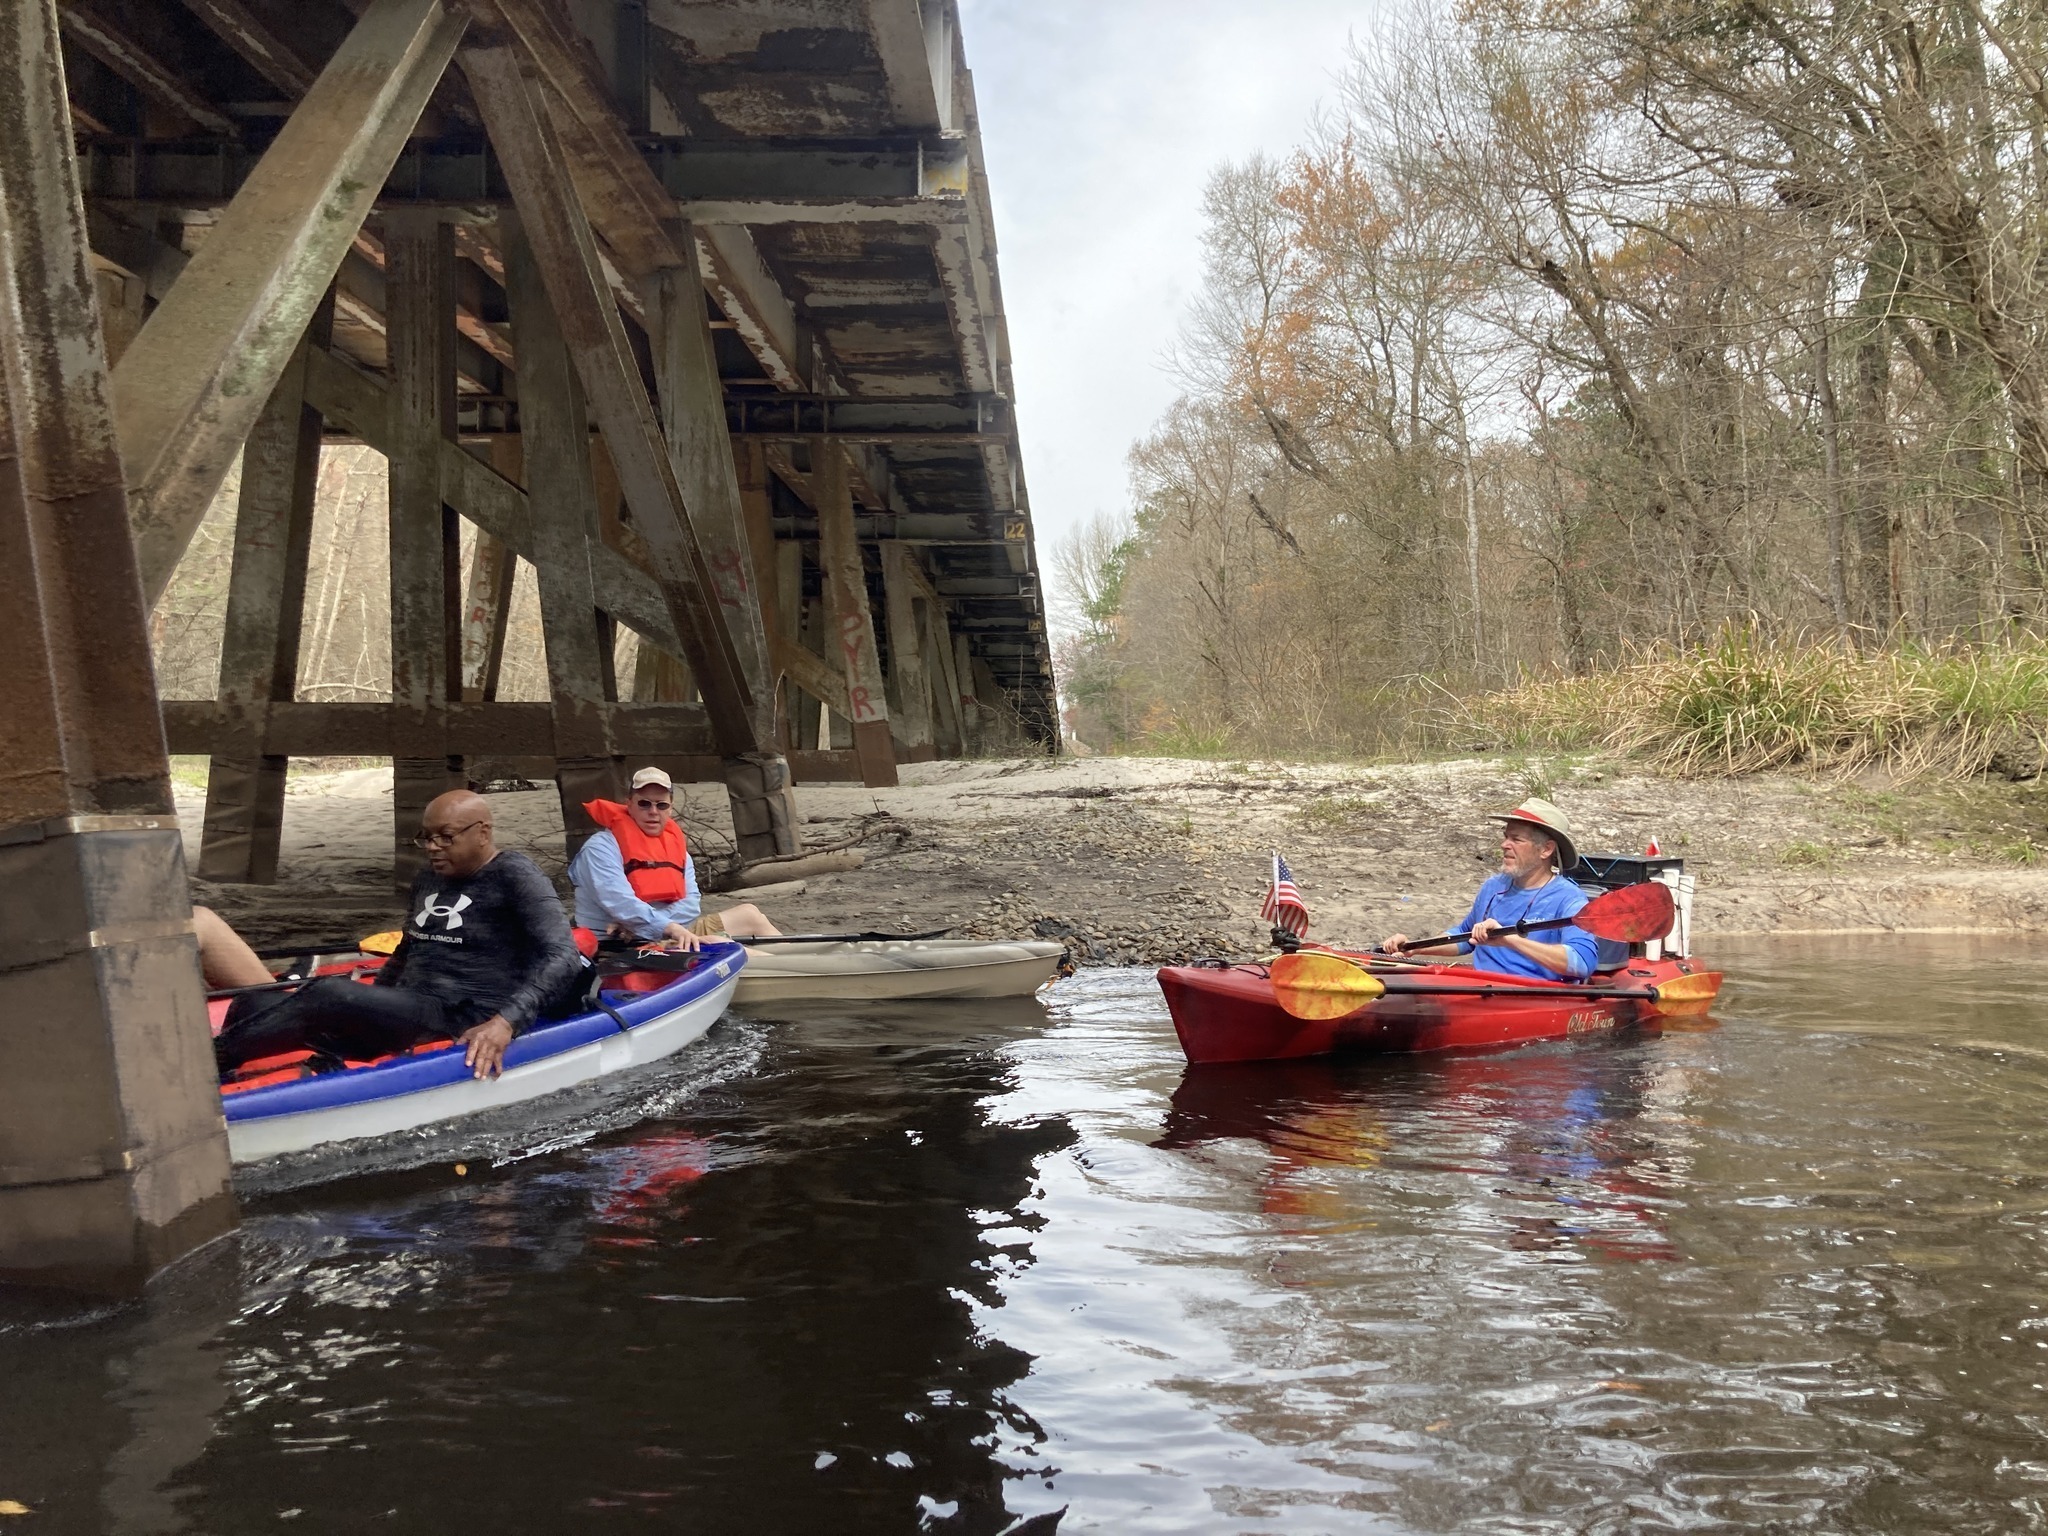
(487,950)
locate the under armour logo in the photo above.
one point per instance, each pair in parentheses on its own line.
(451,915)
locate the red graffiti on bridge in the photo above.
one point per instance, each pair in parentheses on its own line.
(727,563)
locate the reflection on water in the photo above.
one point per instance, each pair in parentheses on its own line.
(1012,1267)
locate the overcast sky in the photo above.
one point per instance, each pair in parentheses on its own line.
(1102,120)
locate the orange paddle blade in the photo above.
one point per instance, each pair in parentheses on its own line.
(1634,914)
(379,943)
(1319,986)
(1687,994)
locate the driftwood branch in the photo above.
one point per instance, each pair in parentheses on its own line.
(830,858)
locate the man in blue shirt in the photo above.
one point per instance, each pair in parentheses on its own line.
(607,901)
(1535,842)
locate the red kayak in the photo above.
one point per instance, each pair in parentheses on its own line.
(1232,1013)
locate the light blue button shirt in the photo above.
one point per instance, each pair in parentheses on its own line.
(605,896)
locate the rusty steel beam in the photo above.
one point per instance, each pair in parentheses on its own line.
(914,41)
(113,1159)
(966,304)
(936,209)
(754,302)
(591,325)
(189,389)
(951,420)
(722,182)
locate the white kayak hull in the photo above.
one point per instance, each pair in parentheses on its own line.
(661,1024)
(880,970)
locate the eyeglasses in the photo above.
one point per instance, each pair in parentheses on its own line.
(652,805)
(443,839)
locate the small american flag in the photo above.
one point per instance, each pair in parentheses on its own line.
(1283,906)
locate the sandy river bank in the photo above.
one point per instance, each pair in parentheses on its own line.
(1138,860)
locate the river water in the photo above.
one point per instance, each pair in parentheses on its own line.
(1010,1267)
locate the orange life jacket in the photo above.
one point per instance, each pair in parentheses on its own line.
(654,865)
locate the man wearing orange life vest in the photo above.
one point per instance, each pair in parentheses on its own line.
(635,878)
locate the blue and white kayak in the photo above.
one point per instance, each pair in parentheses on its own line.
(661,1013)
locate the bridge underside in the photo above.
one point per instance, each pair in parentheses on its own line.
(690,305)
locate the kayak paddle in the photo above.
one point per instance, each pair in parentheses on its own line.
(1312,984)
(834,938)
(1632,915)
(374,944)
(1315,984)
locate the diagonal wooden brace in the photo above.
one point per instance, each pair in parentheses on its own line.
(198,374)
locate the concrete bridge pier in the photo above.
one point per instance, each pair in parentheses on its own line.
(113,1156)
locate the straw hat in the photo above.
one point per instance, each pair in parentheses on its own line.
(1541,813)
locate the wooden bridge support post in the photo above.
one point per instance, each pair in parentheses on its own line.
(949,727)
(910,697)
(493,577)
(259,652)
(970,705)
(853,624)
(426,601)
(659,678)
(802,707)
(750,469)
(112,1156)
(556,430)
(757,782)
(973,738)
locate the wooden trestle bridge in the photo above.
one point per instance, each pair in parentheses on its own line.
(691,304)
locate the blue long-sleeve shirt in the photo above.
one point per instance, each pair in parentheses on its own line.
(1504,902)
(605,896)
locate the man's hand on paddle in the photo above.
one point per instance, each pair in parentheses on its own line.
(484,1046)
(1484,930)
(1393,944)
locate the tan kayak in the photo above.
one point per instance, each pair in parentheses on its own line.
(872,970)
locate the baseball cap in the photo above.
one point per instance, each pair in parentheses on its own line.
(647,776)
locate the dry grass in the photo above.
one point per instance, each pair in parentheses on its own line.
(1746,704)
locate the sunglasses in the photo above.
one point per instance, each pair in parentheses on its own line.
(652,805)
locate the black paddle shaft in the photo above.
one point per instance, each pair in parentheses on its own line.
(1526,925)
(1481,989)
(337,947)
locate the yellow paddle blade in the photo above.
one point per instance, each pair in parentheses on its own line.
(380,943)
(1687,994)
(1316,986)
